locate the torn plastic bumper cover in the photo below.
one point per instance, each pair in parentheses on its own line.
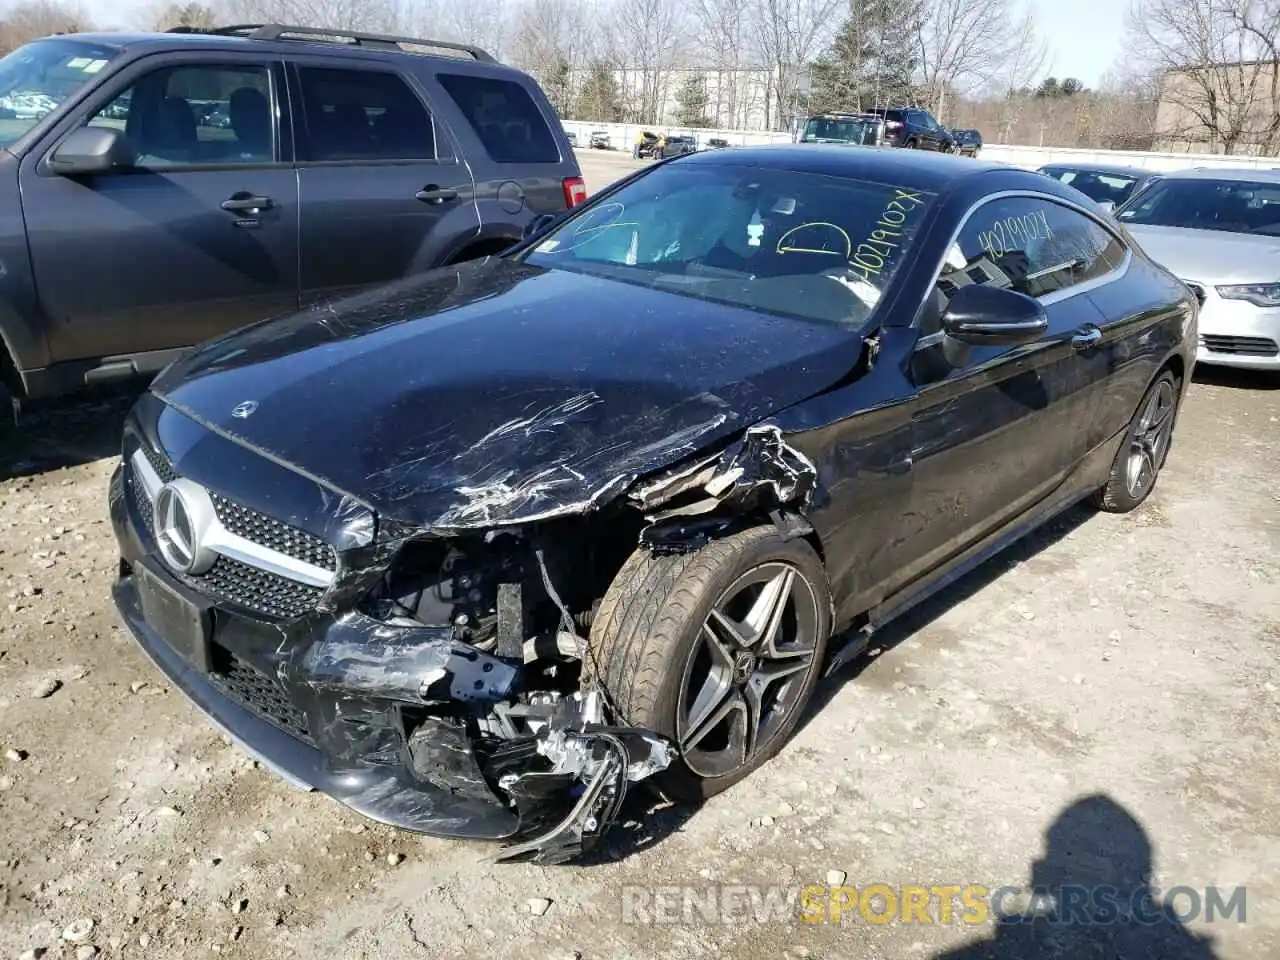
(553,760)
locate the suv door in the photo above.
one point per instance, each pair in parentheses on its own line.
(174,250)
(520,168)
(925,129)
(1003,429)
(383,191)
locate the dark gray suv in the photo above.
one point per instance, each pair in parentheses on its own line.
(158,190)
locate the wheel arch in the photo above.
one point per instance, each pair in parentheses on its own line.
(477,247)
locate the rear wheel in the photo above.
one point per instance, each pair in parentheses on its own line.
(912,145)
(718,649)
(1145,447)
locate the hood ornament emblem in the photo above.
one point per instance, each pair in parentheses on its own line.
(242,411)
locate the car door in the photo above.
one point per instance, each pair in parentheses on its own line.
(998,429)
(383,191)
(199,237)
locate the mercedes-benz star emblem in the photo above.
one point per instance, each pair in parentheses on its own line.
(182,514)
(244,410)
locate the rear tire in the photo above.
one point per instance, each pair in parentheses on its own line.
(1144,449)
(718,649)
(912,145)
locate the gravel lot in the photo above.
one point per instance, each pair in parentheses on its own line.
(1128,659)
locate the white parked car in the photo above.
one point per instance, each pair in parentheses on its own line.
(1219,230)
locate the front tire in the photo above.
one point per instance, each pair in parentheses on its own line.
(718,649)
(1144,449)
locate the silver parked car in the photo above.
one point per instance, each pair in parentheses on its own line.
(1219,230)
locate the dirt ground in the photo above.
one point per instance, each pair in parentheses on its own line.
(1099,705)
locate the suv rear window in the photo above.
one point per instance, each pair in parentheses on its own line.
(504,117)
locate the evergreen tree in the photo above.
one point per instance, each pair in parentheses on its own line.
(869,63)
(600,99)
(693,101)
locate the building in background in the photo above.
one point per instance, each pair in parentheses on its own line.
(1229,108)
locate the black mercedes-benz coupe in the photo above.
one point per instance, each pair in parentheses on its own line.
(475,551)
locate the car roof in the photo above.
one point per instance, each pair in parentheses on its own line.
(1138,173)
(925,169)
(290,43)
(1245,174)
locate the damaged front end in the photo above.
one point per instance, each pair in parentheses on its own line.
(501,701)
(470,657)
(442,678)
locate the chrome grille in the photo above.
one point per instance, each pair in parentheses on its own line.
(259,694)
(138,498)
(294,564)
(273,533)
(258,590)
(162,467)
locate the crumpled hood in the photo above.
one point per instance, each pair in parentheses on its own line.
(498,392)
(1210,256)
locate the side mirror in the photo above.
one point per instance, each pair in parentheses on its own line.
(538,224)
(92,150)
(1107,206)
(989,316)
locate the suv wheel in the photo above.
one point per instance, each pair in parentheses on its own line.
(718,649)
(911,145)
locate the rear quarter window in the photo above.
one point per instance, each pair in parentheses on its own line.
(505,118)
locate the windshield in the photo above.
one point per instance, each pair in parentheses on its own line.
(36,78)
(824,130)
(1099,187)
(789,243)
(1234,206)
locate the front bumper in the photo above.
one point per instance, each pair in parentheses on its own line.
(1236,333)
(353,755)
(385,718)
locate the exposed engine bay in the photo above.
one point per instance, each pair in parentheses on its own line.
(557,752)
(539,731)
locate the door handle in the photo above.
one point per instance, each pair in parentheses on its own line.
(433,194)
(246,203)
(1086,337)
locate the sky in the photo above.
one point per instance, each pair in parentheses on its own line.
(1083,37)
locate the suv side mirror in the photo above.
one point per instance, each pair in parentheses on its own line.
(1107,206)
(989,316)
(92,150)
(538,224)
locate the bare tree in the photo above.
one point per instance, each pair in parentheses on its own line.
(722,33)
(549,40)
(41,18)
(369,15)
(1219,68)
(649,39)
(790,34)
(960,45)
(1025,57)
(168,15)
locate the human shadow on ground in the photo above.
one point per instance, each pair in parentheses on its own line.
(1091,896)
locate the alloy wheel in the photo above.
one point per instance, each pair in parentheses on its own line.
(1150,441)
(749,670)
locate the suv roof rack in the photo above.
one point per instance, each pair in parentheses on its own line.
(279,31)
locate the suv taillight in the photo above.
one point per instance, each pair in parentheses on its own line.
(575,191)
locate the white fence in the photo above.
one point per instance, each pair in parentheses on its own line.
(623,136)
